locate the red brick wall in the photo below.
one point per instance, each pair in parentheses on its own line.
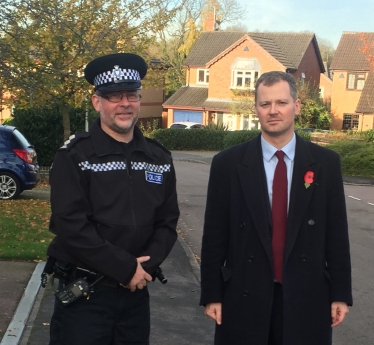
(309,66)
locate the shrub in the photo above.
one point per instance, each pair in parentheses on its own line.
(190,139)
(238,137)
(357,157)
(43,128)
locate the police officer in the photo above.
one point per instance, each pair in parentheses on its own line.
(114,212)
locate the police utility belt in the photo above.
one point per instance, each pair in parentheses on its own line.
(76,282)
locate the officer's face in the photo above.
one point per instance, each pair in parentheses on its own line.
(118,118)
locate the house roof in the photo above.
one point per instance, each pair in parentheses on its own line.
(188,96)
(366,102)
(287,48)
(348,55)
(195,97)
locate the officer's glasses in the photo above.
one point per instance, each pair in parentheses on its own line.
(116,97)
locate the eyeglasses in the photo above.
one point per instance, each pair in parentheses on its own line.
(116,97)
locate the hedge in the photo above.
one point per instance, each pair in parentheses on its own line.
(43,129)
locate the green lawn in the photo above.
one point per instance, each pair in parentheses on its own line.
(24,233)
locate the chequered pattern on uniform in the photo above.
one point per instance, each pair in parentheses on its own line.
(109,77)
(67,142)
(96,167)
(150,167)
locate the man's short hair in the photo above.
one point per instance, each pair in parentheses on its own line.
(270,78)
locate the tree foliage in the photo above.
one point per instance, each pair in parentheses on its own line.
(314,111)
(45,44)
(175,40)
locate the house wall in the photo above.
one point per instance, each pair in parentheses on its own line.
(343,101)
(220,71)
(309,66)
(5,113)
(325,84)
(151,103)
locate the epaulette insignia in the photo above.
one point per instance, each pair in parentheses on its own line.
(73,139)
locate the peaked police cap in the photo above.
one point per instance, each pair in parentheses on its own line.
(115,72)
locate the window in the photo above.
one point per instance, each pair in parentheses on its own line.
(245,73)
(203,76)
(350,121)
(355,81)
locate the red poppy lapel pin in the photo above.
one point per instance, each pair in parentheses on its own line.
(308,179)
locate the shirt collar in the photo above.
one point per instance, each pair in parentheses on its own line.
(269,150)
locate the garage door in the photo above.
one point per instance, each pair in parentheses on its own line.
(192,116)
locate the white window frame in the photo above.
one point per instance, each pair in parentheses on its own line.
(244,79)
(206,76)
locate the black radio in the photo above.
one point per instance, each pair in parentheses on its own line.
(73,291)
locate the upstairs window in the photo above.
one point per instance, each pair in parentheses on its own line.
(203,76)
(355,81)
(245,73)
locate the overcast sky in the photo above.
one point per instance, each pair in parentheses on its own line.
(326,18)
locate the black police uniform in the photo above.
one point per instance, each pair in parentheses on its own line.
(111,203)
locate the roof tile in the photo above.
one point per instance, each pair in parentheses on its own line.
(348,55)
(366,102)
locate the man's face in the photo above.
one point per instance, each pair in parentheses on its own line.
(276,109)
(118,116)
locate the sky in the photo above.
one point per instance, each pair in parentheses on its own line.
(326,18)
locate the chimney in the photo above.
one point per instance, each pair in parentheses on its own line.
(209,24)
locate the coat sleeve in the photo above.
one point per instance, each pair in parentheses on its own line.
(216,232)
(164,226)
(71,222)
(337,238)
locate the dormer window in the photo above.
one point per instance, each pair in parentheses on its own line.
(203,76)
(244,73)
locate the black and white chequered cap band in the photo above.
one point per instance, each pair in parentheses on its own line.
(117,75)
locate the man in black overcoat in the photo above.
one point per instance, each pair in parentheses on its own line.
(266,281)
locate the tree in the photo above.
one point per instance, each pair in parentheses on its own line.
(314,111)
(175,40)
(45,45)
(327,50)
(367,47)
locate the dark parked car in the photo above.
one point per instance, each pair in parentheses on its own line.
(19,169)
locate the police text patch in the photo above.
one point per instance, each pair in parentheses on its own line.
(153,177)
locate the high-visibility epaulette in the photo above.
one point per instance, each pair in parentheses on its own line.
(73,139)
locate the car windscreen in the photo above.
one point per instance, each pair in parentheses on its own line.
(178,126)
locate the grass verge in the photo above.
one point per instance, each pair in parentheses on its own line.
(24,233)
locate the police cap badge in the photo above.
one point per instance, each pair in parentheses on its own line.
(115,72)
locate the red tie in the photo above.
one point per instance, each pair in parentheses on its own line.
(279,214)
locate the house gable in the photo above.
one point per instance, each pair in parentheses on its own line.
(353,84)
(222,61)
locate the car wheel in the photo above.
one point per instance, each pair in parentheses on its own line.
(10,188)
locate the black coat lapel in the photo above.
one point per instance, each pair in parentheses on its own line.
(253,182)
(300,195)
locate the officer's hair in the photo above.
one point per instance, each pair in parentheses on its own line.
(270,78)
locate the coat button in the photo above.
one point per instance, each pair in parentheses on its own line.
(303,258)
(242,225)
(251,259)
(311,221)
(245,293)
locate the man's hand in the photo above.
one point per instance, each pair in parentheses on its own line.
(141,277)
(338,312)
(214,311)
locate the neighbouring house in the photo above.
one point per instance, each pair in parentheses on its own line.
(222,66)
(325,84)
(352,101)
(5,110)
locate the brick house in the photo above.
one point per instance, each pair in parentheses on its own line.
(222,63)
(352,101)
